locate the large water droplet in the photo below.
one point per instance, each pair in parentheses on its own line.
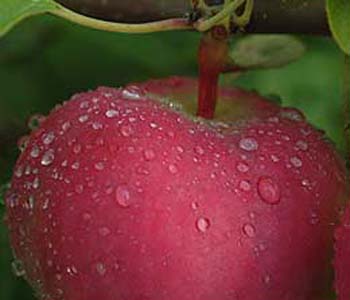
(132,92)
(269,190)
(48,158)
(203,224)
(248,144)
(122,195)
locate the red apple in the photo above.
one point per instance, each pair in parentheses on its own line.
(342,258)
(121,194)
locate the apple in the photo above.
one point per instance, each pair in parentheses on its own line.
(125,194)
(342,258)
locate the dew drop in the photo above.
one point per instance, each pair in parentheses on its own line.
(203,224)
(99,166)
(244,185)
(199,150)
(149,154)
(132,93)
(172,169)
(302,145)
(83,118)
(19,172)
(122,195)
(101,269)
(36,183)
(48,158)
(22,143)
(269,190)
(34,153)
(248,144)
(242,167)
(126,131)
(296,162)
(104,231)
(35,121)
(249,230)
(292,114)
(111,113)
(48,138)
(18,268)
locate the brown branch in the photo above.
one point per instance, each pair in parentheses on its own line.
(270,16)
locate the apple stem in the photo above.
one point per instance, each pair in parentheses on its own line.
(212,58)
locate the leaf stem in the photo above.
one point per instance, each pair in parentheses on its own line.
(165,25)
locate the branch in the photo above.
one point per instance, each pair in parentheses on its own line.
(269,16)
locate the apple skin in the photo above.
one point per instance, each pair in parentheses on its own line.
(342,257)
(120,196)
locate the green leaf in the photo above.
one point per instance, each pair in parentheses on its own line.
(338,12)
(14,11)
(266,51)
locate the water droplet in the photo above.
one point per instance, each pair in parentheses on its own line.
(77,148)
(36,183)
(269,190)
(101,269)
(48,158)
(111,113)
(83,118)
(126,131)
(34,153)
(149,154)
(66,126)
(172,169)
(296,162)
(18,268)
(104,231)
(244,185)
(97,125)
(194,205)
(19,172)
(203,224)
(123,196)
(302,145)
(72,270)
(305,183)
(99,166)
(48,138)
(249,230)
(22,143)
(35,121)
(132,92)
(199,150)
(248,144)
(292,114)
(242,167)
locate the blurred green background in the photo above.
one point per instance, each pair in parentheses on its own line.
(45,60)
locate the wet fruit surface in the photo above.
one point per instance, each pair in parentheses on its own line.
(120,196)
(342,258)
